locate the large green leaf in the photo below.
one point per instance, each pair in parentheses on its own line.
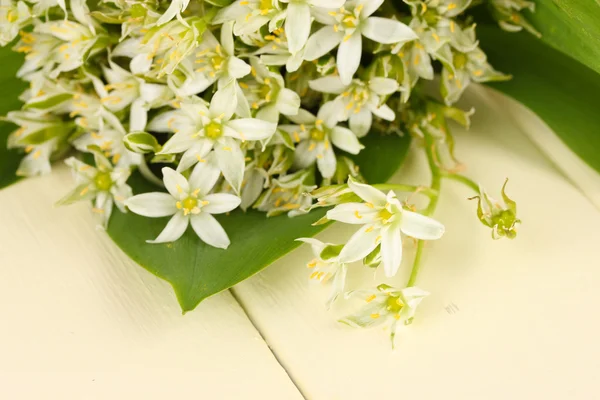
(196,270)
(572,26)
(11,88)
(561,91)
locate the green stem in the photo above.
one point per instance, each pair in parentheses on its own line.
(462,179)
(416,265)
(429,192)
(436,184)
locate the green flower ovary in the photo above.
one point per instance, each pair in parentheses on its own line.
(393,304)
(103,181)
(317,134)
(190,203)
(213,130)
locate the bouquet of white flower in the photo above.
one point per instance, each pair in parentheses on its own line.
(257,122)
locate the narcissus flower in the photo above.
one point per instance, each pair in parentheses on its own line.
(190,203)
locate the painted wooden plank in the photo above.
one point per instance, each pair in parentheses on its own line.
(506,319)
(81,321)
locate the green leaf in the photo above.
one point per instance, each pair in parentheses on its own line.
(11,89)
(197,271)
(561,91)
(50,102)
(571,26)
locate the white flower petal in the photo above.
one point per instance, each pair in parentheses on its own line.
(288,102)
(326,161)
(230,12)
(175,183)
(204,175)
(231,161)
(348,56)
(322,42)
(303,117)
(224,102)
(138,117)
(316,245)
(237,68)
(268,113)
(174,230)
(330,113)
(328,84)
(297,25)
(364,241)
(383,112)
(209,230)
(367,193)
(369,7)
(383,86)
(252,128)
(195,154)
(420,227)
(303,157)
(345,139)
(245,26)
(353,213)
(154,204)
(387,31)
(361,122)
(391,249)
(227,37)
(219,203)
(327,3)
(180,142)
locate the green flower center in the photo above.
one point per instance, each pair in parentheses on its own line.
(213,130)
(385,215)
(217,62)
(190,203)
(265,5)
(460,60)
(317,134)
(394,304)
(103,181)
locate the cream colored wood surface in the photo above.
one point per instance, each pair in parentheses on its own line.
(506,319)
(81,321)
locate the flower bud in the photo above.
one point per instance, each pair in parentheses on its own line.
(141,143)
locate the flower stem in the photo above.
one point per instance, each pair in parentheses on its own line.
(436,183)
(462,179)
(416,264)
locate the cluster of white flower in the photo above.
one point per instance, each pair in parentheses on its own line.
(258,100)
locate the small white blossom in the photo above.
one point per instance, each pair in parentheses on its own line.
(13,17)
(175,9)
(326,267)
(251,15)
(189,202)
(386,305)
(104,184)
(199,129)
(384,221)
(359,100)
(315,134)
(346,27)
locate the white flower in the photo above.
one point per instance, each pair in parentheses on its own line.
(175,9)
(251,15)
(268,94)
(104,184)
(61,45)
(384,220)
(314,136)
(210,63)
(189,202)
(199,129)
(42,6)
(13,17)
(273,49)
(345,27)
(326,266)
(288,194)
(125,89)
(359,100)
(386,305)
(298,19)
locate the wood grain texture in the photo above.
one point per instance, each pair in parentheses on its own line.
(79,320)
(506,319)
